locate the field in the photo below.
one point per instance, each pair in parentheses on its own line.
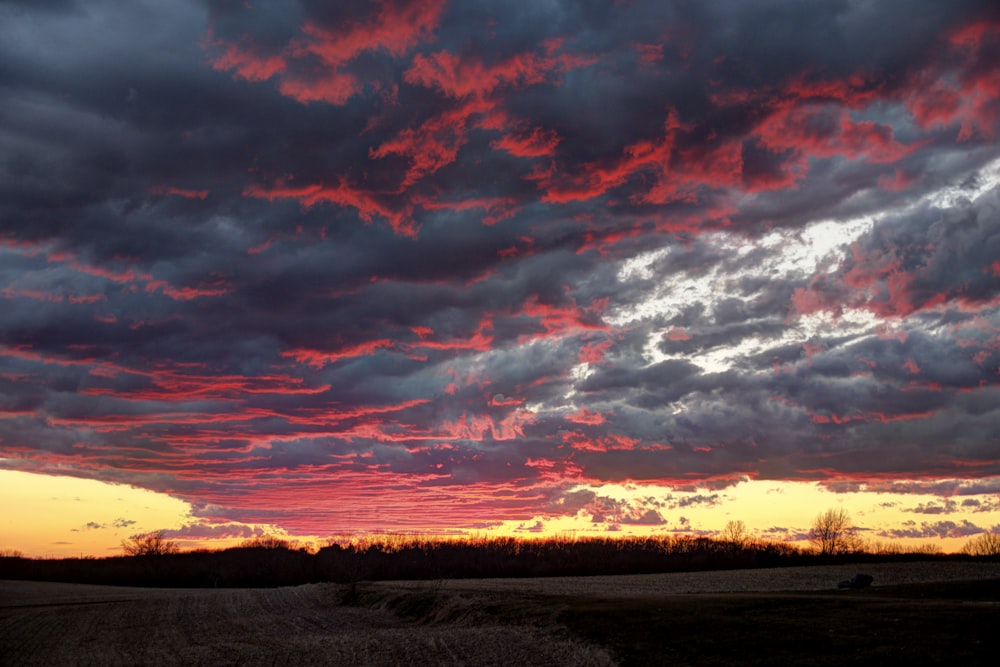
(923,613)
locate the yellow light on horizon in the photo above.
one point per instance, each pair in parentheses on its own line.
(62,516)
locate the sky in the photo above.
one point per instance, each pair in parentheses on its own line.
(589,267)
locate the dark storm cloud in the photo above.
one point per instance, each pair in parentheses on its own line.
(245,248)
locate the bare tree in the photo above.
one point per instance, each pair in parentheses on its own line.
(832,532)
(735,534)
(149,544)
(987,544)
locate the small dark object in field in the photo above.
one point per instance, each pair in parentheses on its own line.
(857,581)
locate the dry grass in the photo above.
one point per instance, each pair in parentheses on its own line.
(737,617)
(813,578)
(73,624)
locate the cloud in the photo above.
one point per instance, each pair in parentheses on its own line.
(536,527)
(649,518)
(699,499)
(424,264)
(208,531)
(938,487)
(946,507)
(938,529)
(316,64)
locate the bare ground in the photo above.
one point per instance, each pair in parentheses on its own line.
(924,613)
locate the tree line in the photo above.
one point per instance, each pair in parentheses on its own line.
(153,560)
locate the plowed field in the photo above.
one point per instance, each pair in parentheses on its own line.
(72,624)
(918,613)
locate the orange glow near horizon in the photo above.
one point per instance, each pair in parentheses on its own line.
(61,516)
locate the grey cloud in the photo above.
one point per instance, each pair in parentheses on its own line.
(937,529)
(945,507)
(138,264)
(648,518)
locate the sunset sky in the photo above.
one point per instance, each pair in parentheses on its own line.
(598,267)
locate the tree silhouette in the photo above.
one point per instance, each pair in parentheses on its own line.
(265,542)
(149,544)
(987,544)
(735,534)
(832,532)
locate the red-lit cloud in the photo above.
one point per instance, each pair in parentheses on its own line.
(428,264)
(393,26)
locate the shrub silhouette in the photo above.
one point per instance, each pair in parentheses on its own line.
(149,544)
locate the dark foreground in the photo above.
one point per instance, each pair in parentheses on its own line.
(931,623)
(924,624)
